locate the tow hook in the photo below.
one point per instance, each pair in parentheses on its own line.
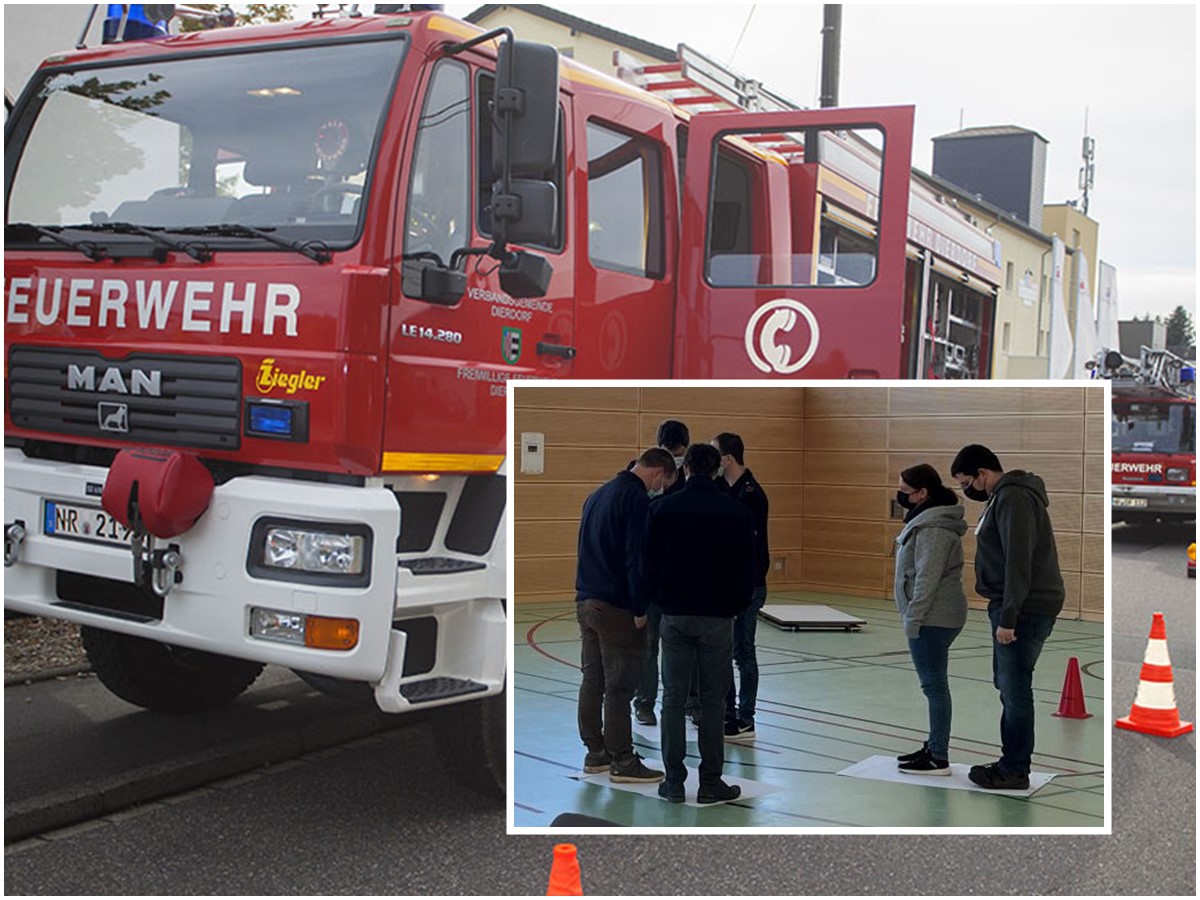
(14,537)
(157,569)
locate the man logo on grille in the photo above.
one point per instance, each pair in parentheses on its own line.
(113,417)
(511,344)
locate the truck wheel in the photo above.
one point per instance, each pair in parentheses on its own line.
(163,677)
(471,739)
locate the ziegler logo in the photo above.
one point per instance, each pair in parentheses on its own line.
(114,381)
(269,378)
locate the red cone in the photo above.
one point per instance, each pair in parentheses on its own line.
(1071,705)
(564,873)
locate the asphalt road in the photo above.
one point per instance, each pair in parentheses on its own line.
(378,815)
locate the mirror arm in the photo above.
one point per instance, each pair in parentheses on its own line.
(452,49)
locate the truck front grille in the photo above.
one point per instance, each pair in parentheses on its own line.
(190,401)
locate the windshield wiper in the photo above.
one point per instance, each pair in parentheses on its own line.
(312,249)
(197,251)
(90,249)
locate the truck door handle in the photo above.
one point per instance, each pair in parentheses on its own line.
(545,349)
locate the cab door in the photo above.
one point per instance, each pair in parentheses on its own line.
(792,262)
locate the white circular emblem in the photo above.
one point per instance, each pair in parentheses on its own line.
(763,345)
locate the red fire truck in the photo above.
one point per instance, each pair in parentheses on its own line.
(264,287)
(1153,436)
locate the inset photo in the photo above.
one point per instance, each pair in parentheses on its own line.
(830,608)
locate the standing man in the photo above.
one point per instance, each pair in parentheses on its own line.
(610,604)
(700,561)
(1016,569)
(739,712)
(673,437)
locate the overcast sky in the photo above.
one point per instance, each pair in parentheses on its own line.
(1132,68)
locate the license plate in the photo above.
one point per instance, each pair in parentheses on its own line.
(83,523)
(1136,502)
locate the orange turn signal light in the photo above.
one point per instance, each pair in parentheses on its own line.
(1192,553)
(330,634)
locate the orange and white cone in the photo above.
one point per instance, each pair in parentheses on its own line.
(1154,711)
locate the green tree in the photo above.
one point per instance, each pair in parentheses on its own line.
(251,14)
(1180,332)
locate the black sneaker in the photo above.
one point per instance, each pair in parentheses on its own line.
(633,771)
(916,754)
(925,765)
(718,792)
(738,731)
(596,761)
(695,717)
(994,778)
(672,793)
(645,715)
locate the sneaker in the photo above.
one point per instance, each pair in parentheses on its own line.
(695,719)
(671,792)
(994,778)
(645,715)
(739,730)
(718,792)
(916,754)
(925,765)
(633,772)
(596,761)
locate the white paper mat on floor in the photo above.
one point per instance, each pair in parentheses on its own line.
(653,733)
(750,789)
(883,768)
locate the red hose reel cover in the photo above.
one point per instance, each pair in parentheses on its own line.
(172,490)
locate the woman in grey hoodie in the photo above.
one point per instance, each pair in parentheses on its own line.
(932,604)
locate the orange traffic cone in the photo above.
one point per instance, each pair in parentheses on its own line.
(564,873)
(1154,711)
(1071,705)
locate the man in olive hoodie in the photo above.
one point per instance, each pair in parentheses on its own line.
(1016,569)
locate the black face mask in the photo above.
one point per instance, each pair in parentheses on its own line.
(905,500)
(971,494)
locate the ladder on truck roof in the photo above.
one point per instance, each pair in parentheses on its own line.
(1153,370)
(699,84)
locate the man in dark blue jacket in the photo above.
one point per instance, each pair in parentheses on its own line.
(700,561)
(610,604)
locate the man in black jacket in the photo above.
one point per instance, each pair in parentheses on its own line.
(610,604)
(1016,569)
(700,561)
(742,486)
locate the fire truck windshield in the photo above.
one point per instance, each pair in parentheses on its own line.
(1145,427)
(280,139)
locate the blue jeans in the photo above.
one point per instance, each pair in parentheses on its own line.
(1012,673)
(931,658)
(702,643)
(744,627)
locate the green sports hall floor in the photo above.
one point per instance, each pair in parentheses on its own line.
(827,699)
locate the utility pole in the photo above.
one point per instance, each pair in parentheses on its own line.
(831,54)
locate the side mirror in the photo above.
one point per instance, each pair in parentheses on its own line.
(525,126)
(529,209)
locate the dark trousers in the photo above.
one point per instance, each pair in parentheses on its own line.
(702,643)
(1012,673)
(613,649)
(647,690)
(744,628)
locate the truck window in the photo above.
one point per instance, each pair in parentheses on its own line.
(1148,427)
(438,217)
(625,202)
(485,85)
(793,210)
(279,139)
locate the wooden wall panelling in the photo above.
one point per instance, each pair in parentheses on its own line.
(546,575)
(579,428)
(846,467)
(929,401)
(566,396)
(758,433)
(545,538)
(1002,434)
(839,402)
(582,465)
(677,403)
(845,434)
